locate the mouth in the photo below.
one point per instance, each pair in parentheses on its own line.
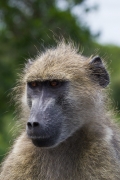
(40,137)
(43,137)
(43,141)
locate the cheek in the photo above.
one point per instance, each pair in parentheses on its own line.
(73,113)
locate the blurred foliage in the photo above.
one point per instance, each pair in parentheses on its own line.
(27,27)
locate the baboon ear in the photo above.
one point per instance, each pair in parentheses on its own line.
(98,72)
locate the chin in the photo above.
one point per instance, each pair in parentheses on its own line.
(44,142)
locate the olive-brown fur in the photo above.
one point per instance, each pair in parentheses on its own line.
(92,152)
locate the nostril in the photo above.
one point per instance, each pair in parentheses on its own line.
(29,125)
(35,124)
(32,125)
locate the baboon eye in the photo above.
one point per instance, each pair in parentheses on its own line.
(54,83)
(33,84)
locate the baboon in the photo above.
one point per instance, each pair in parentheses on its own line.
(68,132)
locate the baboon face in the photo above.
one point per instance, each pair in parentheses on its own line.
(58,89)
(51,113)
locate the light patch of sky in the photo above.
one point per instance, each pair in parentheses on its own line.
(106,19)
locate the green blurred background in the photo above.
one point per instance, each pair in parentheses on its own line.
(28,26)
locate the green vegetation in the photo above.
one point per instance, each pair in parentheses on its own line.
(27,27)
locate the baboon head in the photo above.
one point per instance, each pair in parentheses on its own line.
(61,91)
